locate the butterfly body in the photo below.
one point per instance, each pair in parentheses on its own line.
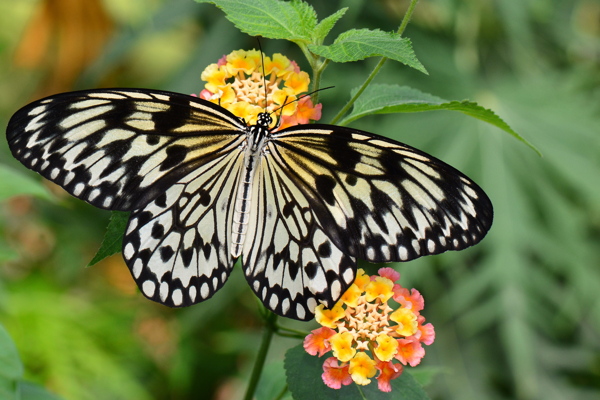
(254,147)
(297,205)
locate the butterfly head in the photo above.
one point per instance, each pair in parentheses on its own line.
(264,120)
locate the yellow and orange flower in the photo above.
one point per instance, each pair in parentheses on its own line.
(366,334)
(236,82)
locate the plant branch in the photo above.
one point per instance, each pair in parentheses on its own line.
(361,89)
(270,328)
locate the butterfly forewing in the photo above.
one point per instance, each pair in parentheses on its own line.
(381,200)
(321,196)
(117,149)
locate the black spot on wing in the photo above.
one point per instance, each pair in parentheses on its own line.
(324,249)
(186,256)
(325,185)
(166,252)
(161,200)
(152,140)
(158,230)
(175,155)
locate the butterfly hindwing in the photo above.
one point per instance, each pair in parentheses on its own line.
(118,148)
(178,246)
(382,200)
(291,263)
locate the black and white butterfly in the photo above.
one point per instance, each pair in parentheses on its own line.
(298,205)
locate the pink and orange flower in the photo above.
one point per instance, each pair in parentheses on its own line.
(367,336)
(236,82)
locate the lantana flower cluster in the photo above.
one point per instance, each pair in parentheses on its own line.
(236,82)
(368,334)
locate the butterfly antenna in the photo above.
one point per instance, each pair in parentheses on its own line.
(285,103)
(262,59)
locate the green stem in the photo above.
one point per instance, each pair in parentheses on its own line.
(407,16)
(290,330)
(262,355)
(361,89)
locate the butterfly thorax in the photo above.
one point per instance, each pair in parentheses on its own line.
(256,137)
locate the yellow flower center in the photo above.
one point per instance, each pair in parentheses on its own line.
(366,322)
(252,90)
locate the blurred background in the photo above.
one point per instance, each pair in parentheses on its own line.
(516,317)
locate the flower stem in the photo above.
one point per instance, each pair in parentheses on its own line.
(361,89)
(269,329)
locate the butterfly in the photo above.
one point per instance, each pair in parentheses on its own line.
(298,205)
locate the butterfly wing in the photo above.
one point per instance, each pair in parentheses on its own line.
(173,160)
(178,246)
(118,149)
(378,199)
(291,263)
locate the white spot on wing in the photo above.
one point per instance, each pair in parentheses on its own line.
(164,291)
(148,287)
(177,297)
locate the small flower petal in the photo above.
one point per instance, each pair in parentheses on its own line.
(341,344)
(387,347)
(388,372)
(307,111)
(389,273)
(362,279)
(317,341)
(379,288)
(327,317)
(427,333)
(410,299)
(362,367)
(238,62)
(298,82)
(406,320)
(410,352)
(335,375)
(350,297)
(278,65)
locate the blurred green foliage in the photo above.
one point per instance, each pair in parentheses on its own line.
(516,317)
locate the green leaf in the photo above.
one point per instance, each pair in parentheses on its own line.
(358,44)
(7,253)
(291,20)
(31,391)
(272,381)
(323,27)
(8,389)
(425,375)
(113,238)
(305,383)
(11,367)
(15,183)
(387,99)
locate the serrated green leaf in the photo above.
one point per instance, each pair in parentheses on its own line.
(15,183)
(11,367)
(113,238)
(358,44)
(387,99)
(304,371)
(323,27)
(291,20)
